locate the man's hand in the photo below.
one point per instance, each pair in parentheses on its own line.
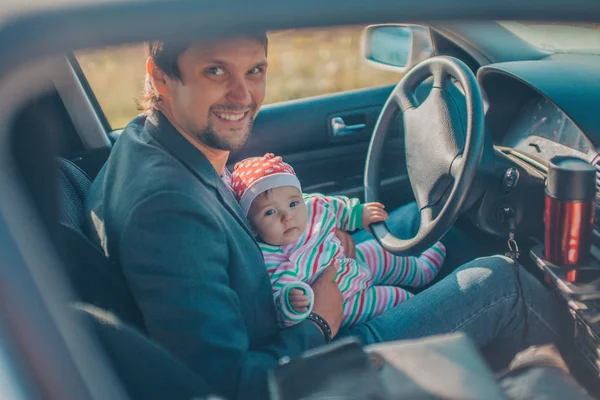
(328,299)
(299,300)
(347,243)
(373,212)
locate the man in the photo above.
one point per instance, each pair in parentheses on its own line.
(164,213)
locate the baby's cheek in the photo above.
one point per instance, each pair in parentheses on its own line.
(264,233)
(305,216)
(258,227)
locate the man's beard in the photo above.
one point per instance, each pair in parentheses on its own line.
(236,141)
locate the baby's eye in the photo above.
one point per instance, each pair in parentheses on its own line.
(294,203)
(270,212)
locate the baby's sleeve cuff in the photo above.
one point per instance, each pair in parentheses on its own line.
(288,314)
(357,214)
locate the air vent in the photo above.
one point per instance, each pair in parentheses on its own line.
(596,163)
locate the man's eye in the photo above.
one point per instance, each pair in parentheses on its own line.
(255,70)
(270,212)
(294,203)
(215,71)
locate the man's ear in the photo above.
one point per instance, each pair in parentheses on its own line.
(157,77)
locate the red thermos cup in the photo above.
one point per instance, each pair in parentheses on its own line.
(569,212)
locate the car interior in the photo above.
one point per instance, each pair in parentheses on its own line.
(537,103)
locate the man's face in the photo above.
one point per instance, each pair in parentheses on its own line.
(222,88)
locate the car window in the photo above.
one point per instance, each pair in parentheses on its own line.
(302,63)
(558,37)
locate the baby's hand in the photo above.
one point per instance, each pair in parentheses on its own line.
(373,212)
(298,300)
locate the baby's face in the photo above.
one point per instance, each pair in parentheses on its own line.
(279,216)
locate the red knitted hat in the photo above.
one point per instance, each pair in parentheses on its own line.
(256,175)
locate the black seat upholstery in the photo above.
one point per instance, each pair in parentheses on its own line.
(95,279)
(74,186)
(147,370)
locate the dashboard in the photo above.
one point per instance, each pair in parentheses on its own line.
(544,107)
(541,129)
(536,110)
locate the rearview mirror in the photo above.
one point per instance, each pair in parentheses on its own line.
(395,47)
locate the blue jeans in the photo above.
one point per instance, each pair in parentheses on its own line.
(491,299)
(404,223)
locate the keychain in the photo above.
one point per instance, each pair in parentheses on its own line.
(513,247)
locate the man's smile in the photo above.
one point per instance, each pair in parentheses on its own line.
(231,116)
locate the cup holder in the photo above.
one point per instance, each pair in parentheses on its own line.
(586,285)
(588,276)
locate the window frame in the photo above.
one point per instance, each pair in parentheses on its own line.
(89,92)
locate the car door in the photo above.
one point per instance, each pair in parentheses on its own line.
(326,140)
(321,107)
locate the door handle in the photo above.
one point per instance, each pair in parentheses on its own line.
(339,127)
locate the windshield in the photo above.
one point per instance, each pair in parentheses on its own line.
(558,37)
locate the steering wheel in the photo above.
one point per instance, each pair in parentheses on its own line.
(444,141)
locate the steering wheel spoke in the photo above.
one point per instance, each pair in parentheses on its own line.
(457,166)
(440,77)
(444,139)
(404,100)
(427,218)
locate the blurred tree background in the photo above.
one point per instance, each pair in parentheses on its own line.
(302,63)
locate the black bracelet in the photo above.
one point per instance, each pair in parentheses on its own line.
(321,323)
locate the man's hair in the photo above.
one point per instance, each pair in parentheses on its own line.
(165,54)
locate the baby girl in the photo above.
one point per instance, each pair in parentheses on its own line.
(296,233)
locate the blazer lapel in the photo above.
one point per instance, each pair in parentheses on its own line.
(229,201)
(159,127)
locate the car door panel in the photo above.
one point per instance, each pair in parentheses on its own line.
(340,171)
(302,132)
(302,125)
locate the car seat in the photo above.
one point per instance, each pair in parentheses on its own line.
(95,278)
(145,368)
